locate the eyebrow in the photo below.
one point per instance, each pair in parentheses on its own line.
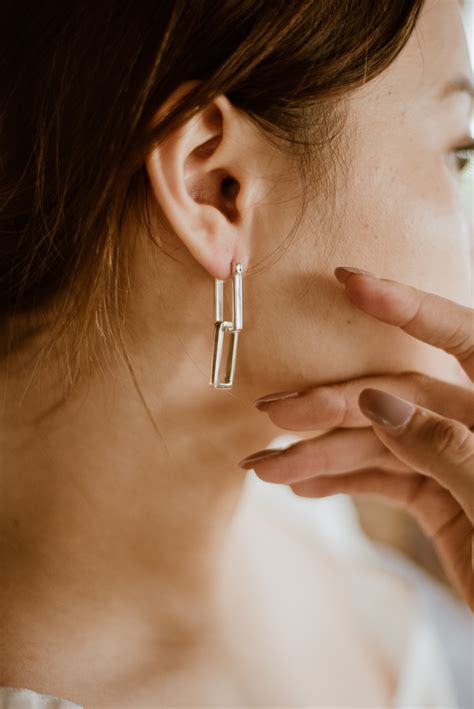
(460,84)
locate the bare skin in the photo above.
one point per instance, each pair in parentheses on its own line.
(113,536)
(420,453)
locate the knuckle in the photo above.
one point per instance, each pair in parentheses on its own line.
(448,436)
(466,350)
(344,405)
(461,342)
(422,385)
(414,314)
(418,384)
(328,404)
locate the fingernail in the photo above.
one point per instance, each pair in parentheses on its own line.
(247,463)
(276,397)
(386,410)
(342,273)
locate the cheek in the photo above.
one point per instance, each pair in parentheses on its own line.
(414,228)
(408,223)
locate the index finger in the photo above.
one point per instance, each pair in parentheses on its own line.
(431,318)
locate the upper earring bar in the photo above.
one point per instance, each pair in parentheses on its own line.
(222,326)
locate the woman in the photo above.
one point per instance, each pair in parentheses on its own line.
(147,147)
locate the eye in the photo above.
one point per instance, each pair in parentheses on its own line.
(463,156)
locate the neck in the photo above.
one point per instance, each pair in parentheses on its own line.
(107,524)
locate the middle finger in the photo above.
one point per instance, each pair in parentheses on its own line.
(336,405)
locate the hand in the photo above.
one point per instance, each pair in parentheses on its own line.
(416,451)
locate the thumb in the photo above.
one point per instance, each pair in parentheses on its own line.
(439,447)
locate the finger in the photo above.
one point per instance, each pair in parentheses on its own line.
(439,447)
(431,504)
(438,321)
(437,512)
(333,453)
(337,405)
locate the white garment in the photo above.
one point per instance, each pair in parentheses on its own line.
(425,679)
(12,698)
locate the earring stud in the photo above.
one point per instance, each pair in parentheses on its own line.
(222,326)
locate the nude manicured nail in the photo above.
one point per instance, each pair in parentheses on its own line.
(248,462)
(342,273)
(278,396)
(386,410)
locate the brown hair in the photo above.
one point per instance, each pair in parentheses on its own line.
(81,83)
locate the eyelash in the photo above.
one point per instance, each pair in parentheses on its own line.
(464,156)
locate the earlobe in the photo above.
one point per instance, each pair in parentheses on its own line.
(197,178)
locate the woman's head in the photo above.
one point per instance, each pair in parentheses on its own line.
(284,130)
(84,86)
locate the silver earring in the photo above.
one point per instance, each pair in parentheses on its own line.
(222,326)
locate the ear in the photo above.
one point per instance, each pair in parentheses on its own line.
(204,178)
